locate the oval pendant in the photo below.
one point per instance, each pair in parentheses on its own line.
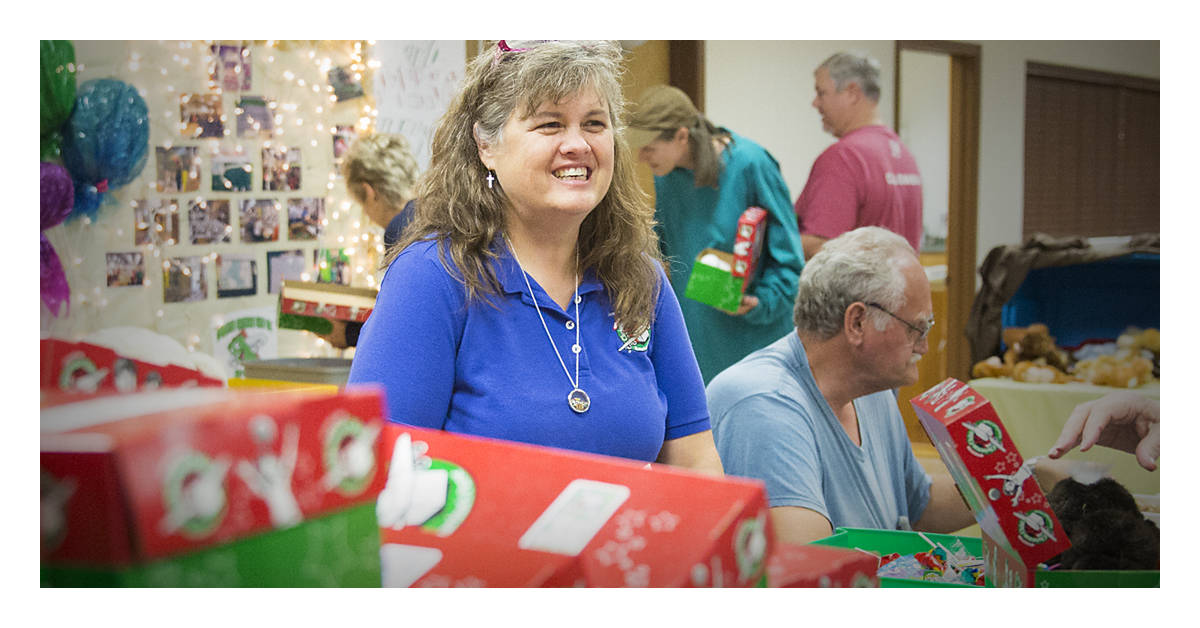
(579,401)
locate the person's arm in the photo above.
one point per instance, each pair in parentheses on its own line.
(409,344)
(1121,420)
(799,525)
(774,291)
(812,244)
(828,205)
(695,451)
(688,440)
(946,511)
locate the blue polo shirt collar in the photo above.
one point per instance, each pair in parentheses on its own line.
(509,274)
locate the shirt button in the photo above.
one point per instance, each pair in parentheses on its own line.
(570,324)
(578,298)
(576,348)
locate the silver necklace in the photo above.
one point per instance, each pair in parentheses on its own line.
(577,399)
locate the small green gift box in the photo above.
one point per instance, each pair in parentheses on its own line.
(712,281)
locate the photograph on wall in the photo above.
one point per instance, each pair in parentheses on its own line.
(237,275)
(305,216)
(208,221)
(284,265)
(343,137)
(245,335)
(259,220)
(177,169)
(201,115)
(231,67)
(231,170)
(332,266)
(184,280)
(346,84)
(281,168)
(125,269)
(255,117)
(155,222)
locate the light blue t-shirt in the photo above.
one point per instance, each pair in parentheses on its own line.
(471,368)
(771,422)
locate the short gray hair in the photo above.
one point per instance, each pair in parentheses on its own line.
(854,67)
(860,265)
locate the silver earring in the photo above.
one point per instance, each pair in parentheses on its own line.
(490,178)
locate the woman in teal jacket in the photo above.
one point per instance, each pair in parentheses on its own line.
(704,178)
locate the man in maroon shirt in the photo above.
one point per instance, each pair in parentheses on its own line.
(867,177)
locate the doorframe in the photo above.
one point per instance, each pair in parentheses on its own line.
(963,211)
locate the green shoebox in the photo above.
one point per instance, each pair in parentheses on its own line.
(714,285)
(340,549)
(902,542)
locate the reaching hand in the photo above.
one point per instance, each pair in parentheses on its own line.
(1122,420)
(749,302)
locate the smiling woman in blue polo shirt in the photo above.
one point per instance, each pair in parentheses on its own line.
(527,301)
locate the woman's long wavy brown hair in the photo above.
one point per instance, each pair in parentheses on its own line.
(456,208)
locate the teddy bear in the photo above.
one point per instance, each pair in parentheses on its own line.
(1032,356)
(1120,370)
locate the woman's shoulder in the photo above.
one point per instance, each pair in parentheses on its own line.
(420,261)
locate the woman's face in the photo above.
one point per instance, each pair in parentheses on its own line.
(560,159)
(663,156)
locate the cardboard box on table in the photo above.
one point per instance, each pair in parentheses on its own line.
(469,511)
(792,565)
(212,487)
(1018,527)
(312,306)
(81,367)
(722,283)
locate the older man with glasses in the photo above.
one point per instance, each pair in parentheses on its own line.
(813,414)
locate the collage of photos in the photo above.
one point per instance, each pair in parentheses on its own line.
(343,137)
(305,218)
(184,280)
(332,266)
(237,276)
(208,221)
(201,115)
(255,118)
(155,223)
(230,70)
(259,220)
(177,169)
(281,168)
(284,265)
(231,169)
(125,269)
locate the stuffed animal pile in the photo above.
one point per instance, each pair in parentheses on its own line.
(1033,356)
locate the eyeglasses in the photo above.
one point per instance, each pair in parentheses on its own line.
(922,332)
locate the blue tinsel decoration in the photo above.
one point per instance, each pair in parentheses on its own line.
(105,141)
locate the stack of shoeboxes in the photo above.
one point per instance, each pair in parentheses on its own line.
(312,306)
(80,367)
(211,487)
(720,278)
(1020,531)
(224,487)
(468,511)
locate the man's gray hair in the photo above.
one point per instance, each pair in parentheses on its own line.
(853,67)
(860,265)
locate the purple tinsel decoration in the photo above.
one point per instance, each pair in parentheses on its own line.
(58,198)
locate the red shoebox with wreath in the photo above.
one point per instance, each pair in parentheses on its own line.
(133,479)
(792,565)
(468,511)
(81,367)
(1019,528)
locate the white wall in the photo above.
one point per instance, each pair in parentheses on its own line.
(763,89)
(924,126)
